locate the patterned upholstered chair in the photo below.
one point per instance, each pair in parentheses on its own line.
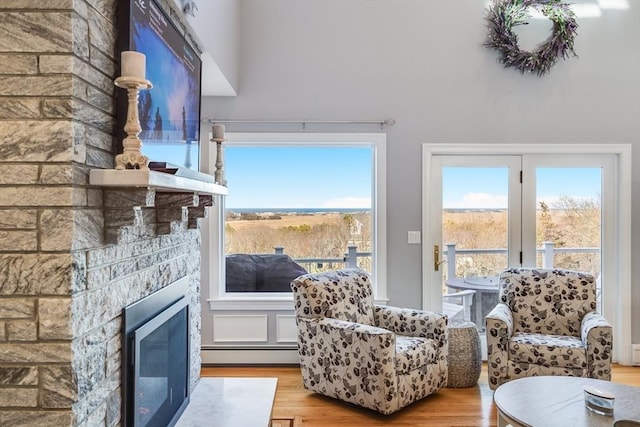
(546,323)
(378,357)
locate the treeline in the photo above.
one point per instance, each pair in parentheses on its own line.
(568,223)
(251,216)
(328,239)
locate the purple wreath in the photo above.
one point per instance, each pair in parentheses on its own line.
(504,15)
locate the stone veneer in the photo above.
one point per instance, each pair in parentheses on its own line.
(72,255)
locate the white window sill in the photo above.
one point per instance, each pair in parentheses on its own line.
(258,302)
(252,301)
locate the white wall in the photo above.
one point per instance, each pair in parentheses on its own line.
(216,23)
(422,63)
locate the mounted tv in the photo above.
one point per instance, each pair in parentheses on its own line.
(170,111)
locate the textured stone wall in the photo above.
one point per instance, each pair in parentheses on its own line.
(56,116)
(64,277)
(117,276)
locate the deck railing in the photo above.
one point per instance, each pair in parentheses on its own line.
(349,260)
(548,250)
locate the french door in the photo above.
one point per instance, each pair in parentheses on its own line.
(476,229)
(484,213)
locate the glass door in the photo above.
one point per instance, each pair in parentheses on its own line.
(494,212)
(568,207)
(477,228)
(565,202)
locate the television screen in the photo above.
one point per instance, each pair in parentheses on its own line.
(170,111)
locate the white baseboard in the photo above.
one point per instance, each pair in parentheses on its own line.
(249,356)
(635,354)
(269,356)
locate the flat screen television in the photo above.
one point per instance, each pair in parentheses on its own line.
(170,111)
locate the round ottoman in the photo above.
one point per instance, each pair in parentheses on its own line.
(465,357)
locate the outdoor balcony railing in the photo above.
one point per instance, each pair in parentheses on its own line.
(485,286)
(548,250)
(350,260)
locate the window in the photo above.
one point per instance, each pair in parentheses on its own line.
(298,203)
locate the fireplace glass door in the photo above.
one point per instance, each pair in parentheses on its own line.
(161,367)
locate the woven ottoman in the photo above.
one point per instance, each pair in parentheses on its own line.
(465,355)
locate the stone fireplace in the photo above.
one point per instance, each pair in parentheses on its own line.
(72,254)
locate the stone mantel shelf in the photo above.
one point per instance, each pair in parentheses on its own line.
(158,181)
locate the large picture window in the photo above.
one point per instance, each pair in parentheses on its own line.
(299,203)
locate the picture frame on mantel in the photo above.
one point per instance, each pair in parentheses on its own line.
(169,113)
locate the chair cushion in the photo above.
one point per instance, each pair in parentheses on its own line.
(547,350)
(414,352)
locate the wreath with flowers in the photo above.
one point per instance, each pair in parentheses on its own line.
(504,15)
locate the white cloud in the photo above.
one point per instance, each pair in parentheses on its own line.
(348,203)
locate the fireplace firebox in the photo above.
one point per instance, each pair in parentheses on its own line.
(155,364)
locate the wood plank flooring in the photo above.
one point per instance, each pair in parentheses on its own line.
(451,407)
(287,422)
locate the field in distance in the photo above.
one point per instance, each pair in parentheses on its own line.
(288,220)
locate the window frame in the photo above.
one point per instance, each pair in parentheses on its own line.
(213,268)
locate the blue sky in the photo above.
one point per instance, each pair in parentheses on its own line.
(340,177)
(487,187)
(314,177)
(282,177)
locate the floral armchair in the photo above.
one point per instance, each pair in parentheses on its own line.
(546,324)
(378,357)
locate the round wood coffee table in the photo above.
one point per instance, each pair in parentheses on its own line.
(556,401)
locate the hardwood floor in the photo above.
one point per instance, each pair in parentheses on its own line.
(451,407)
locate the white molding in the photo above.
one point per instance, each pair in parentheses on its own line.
(635,359)
(240,328)
(621,289)
(214,276)
(286,329)
(252,356)
(541,148)
(623,335)
(251,302)
(258,302)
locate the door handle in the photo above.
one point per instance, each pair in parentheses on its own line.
(436,258)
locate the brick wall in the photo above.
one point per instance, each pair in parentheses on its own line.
(64,275)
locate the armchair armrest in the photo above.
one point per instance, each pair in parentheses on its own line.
(329,325)
(413,323)
(597,336)
(502,319)
(590,322)
(499,327)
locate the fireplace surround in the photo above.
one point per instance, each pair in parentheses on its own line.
(155,357)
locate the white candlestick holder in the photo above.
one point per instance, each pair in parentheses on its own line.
(132,157)
(218,138)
